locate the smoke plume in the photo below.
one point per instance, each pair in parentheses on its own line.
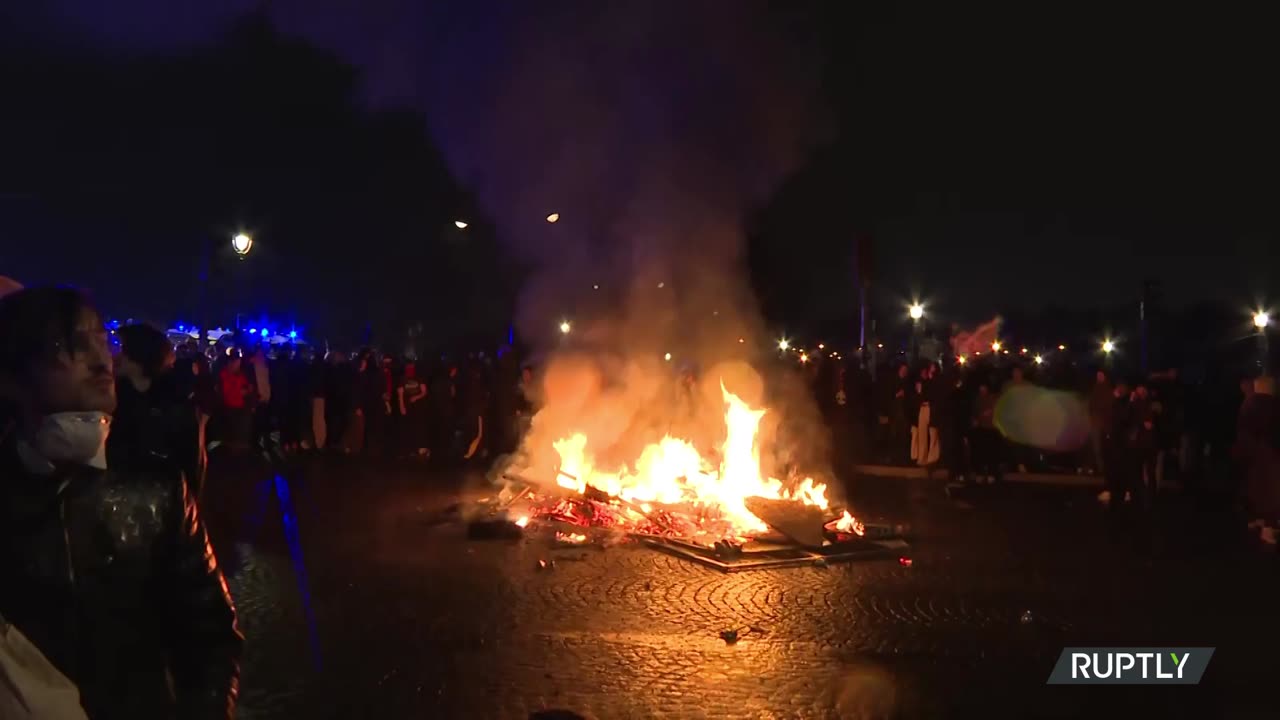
(652,129)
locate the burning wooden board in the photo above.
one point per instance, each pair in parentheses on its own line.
(802,524)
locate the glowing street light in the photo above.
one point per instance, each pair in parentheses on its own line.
(962,359)
(1039,359)
(1062,347)
(916,311)
(1108,347)
(1261,319)
(565,327)
(804,357)
(242,244)
(995,346)
(553,217)
(783,344)
(667,357)
(460,224)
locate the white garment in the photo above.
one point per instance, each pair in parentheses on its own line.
(78,438)
(263,377)
(924,439)
(31,688)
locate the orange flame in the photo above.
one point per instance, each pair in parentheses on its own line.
(850,524)
(672,471)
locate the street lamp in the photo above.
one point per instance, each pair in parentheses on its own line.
(1108,346)
(916,311)
(1261,320)
(565,327)
(1039,359)
(460,224)
(553,217)
(995,346)
(783,344)
(242,244)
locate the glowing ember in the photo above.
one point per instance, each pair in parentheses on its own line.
(673,472)
(571,538)
(850,524)
(522,521)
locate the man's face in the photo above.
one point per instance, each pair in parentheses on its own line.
(75,374)
(1101,377)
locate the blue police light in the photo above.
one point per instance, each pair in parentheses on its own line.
(182,328)
(253,331)
(293,334)
(264,332)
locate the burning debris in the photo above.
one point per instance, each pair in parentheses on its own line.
(674,490)
(709,501)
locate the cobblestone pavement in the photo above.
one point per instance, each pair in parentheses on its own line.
(356,603)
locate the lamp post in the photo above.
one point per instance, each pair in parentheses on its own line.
(1261,321)
(916,312)
(241,243)
(241,246)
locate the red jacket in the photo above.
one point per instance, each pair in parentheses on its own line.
(235,387)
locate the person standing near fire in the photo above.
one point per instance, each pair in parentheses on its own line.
(925,449)
(411,397)
(898,404)
(107,571)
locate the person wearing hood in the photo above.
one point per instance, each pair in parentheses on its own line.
(107,571)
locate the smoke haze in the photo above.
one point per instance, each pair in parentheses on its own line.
(653,129)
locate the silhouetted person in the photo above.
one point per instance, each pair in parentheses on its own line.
(1258,453)
(1101,405)
(156,424)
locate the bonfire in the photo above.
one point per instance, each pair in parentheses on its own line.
(671,489)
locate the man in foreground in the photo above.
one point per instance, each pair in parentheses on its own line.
(108,572)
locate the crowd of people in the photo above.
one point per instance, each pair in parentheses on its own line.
(286,399)
(1144,434)
(109,576)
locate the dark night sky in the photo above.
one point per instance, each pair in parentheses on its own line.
(1032,157)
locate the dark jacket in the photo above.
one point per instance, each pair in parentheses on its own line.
(111,575)
(1257,450)
(156,430)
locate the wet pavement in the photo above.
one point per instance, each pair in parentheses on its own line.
(356,602)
